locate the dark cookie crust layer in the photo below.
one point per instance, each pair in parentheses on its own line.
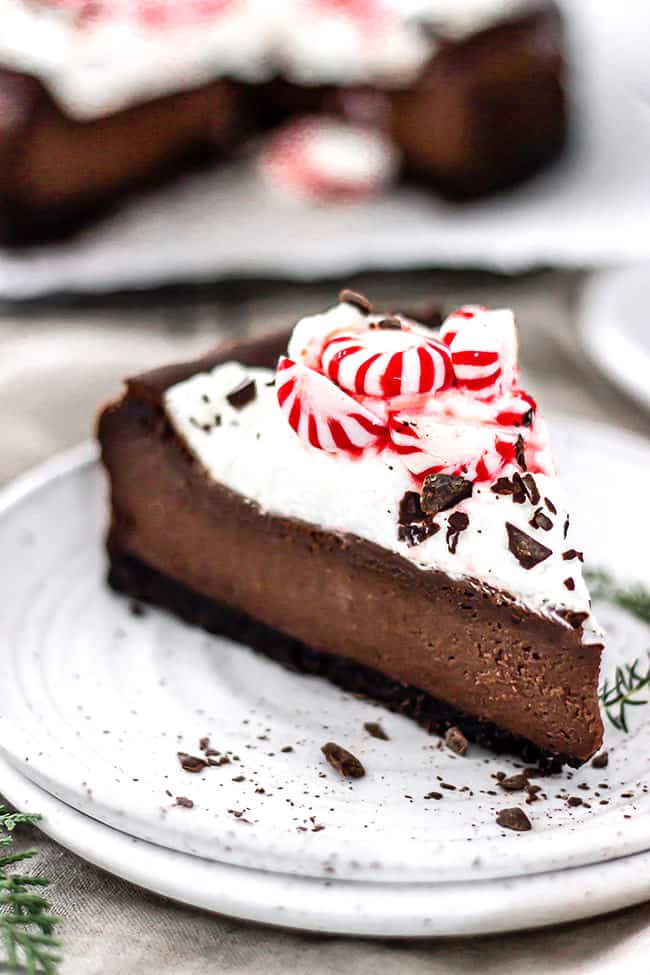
(135,578)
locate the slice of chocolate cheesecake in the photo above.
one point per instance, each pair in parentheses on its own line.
(374,502)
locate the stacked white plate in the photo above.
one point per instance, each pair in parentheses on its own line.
(98,700)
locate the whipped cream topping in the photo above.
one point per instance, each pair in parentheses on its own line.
(328,474)
(98,57)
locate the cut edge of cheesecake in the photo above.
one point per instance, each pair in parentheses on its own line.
(509,678)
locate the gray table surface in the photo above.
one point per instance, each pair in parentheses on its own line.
(57,363)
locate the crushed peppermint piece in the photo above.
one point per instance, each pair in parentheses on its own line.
(528,551)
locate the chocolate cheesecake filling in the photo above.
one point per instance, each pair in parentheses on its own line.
(440,650)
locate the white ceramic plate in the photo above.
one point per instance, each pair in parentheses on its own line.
(615,329)
(102,700)
(333,906)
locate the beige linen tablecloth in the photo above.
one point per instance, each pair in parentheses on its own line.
(56,365)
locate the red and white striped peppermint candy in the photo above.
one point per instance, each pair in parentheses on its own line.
(387,362)
(328,158)
(483,347)
(321,413)
(434,446)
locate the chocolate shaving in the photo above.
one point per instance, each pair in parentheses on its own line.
(354,298)
(600,761)
(531,488)
(525,549)
(551,507)
(243,394)
(443,491)
(566,526)
(540,520)
(410,509)
(224,760)
(502,486)
(574,619)
(570,584)
(456,741)
(416,534)
(204,743)
(519,493)
(457,522)
(515,819)
(573,553)
(191,763)
(388,323)
(520,453)
(574,801)
(184,802)
(343,761)
(375,729)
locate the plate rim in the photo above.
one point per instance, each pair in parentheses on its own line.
(348,908)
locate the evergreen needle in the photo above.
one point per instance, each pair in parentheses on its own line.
(26,925)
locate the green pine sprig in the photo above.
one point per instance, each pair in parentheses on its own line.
(624,692)
(26,925)
(630,686)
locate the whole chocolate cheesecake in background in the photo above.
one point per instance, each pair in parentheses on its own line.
(107,100)
(374,501)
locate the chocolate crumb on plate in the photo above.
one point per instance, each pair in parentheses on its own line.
(433,795)
(525,549)
(349,297)
(514,783)
(239,778)
(456,741)
(601,760)
(191,763)
(443,491)
(574,801)
(242,394)
(184,802)
(375,729)
(514,818)
(345,763)
(287,748)
(204,743)
(224,760)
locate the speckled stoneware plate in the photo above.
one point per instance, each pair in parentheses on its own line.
(338,906)
(102,700)
(614,328)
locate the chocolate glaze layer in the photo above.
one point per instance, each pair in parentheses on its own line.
(456,641)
